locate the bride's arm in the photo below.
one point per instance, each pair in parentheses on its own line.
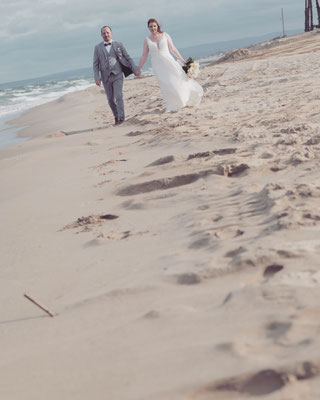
(173,50)
(145,53)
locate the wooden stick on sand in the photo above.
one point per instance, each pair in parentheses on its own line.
(39,305)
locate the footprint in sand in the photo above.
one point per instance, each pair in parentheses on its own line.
(181,180)
(271,270)
(188,279)
(86,223)
(162,161)
(133,205)
(261,383)
(163,184)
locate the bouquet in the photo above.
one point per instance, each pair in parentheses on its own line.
(191,68)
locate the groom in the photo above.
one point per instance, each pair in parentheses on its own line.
(110,62)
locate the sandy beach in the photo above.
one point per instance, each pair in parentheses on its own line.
(179,251)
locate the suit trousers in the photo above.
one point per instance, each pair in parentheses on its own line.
(113,88)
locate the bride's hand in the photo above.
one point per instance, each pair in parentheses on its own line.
(181,62)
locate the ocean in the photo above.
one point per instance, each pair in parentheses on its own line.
(17,97)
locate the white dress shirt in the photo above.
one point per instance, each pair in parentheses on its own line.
(108,47)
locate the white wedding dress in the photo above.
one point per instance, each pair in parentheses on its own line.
(177,89)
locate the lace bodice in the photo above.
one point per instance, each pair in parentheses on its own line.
(158,47)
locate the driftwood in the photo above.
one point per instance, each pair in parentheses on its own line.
(39,305)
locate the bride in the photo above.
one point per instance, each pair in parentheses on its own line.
(177,89)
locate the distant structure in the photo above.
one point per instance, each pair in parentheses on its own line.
(308,26)
(283,30)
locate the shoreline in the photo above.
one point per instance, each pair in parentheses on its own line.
(9,134)
(39,115)
(171,241)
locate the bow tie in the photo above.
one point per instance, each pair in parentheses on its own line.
(107,44)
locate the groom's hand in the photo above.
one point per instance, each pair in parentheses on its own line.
(137,73)
(98,83)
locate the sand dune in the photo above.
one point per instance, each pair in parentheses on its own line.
(298,44)
(179,250)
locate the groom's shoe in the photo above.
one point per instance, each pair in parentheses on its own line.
(121,121)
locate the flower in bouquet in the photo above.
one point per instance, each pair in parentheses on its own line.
(191,68)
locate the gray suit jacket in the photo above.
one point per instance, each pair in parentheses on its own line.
(100,64)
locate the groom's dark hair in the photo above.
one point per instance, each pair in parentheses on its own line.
(106,26)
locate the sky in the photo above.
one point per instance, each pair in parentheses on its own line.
(41,37)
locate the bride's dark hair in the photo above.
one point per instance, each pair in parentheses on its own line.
(156,22)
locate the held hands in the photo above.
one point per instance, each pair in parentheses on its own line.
(98,83)
(138,73)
